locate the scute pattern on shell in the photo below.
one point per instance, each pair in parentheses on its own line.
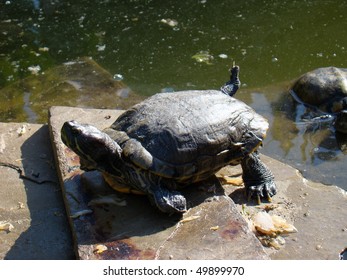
(196,130)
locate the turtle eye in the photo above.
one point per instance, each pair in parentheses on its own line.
(78,130)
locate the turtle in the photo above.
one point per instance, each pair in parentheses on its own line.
(325,91)
(171,140)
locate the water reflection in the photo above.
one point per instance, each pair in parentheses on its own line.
(312,146)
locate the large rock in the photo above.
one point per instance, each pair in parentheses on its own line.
(108,225)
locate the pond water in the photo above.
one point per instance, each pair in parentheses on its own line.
(154,45)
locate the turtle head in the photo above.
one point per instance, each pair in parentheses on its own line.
(95,148)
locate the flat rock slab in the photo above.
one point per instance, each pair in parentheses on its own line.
(32,205)
(109,225)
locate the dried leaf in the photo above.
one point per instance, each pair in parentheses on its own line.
(5,226)
(272,224)
(81,213)
(188,219)
(263,223)
(214,228)
(21,205)
(100,248)
(282,225)
(236,181)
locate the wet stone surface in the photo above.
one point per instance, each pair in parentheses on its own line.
(110,225)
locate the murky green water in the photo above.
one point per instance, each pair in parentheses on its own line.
(164,45)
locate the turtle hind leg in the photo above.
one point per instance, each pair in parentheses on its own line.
(258,179)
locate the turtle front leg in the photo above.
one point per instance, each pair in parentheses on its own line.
(257,177)
(160,191)
(169,202)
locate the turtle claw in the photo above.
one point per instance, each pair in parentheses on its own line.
(258,179)
(258,199)
(268,197)
(265,190)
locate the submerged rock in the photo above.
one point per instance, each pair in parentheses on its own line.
(80,83)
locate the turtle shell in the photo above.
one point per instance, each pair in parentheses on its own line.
(188,134)
(323,88)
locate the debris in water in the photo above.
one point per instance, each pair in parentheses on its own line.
(118,77)
(203,57)
(35,69)
(44,49)
(169,22)
(101,48)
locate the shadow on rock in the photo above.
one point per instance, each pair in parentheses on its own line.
(109,216)
(48,236)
